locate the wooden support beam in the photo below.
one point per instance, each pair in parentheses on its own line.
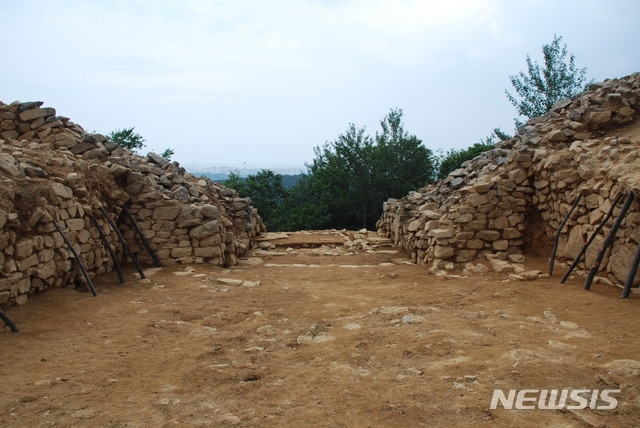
(77,259)
(559,232)
(116,263)
(593,236)
(141,235)
(4,317)
(123,241)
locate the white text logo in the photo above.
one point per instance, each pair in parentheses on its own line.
(551,399)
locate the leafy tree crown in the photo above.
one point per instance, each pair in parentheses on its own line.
(127,138)
(543,85)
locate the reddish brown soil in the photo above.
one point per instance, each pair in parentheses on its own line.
(316,346)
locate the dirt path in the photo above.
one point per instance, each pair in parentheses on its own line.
(326,338)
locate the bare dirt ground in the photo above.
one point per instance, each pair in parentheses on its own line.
(325,339)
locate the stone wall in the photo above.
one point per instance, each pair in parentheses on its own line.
(51,169)
(510,200)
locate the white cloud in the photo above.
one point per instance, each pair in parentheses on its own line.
(242,45)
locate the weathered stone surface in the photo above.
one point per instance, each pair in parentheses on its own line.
(23,249)
(27,263)
(443,252)
(620,262)
(208,252)
(511,233)
(557,135)
(500,245)
(501,266)
(35,113)
(463,256)
(181,252)
(456,183)
(209,211)
(441,233)
(75,223)
(205,230)
(61,191)
(488,235)
(574,244)
(157,159)
(8,165)
(482,187)
(166,212)
(600,117)
(181,194)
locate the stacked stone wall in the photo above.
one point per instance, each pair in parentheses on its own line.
(511,200)
(52,170)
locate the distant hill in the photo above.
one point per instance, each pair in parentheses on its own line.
(288,181)
(217,177)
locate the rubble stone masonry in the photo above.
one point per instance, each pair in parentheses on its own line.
(511,200)
(52,169)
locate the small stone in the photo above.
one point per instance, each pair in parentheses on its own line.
(232,419)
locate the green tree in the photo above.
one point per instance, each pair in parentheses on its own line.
(543,86)
(127,138)
(237,183)
(353,175)
(455,158)
(266,192)
(168,152)
(301,209)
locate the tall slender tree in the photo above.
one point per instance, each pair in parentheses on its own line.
(543,85)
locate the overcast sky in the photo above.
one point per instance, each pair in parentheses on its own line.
(260,83)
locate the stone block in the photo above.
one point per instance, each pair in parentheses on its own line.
(443,252)
(36,113)
(511,233)
(462,218)
(207,252)
(488,235)
(557,136)
(463,256)
(475,244)
(27,263)
(205,230)
(574,243)
(501,266)
(209,211)
(501,245)
(61,190)
(46,270)
(600,117)
(75,224)
(441,233)
(620,262)
(23,249)
(166,212)
(181,252)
